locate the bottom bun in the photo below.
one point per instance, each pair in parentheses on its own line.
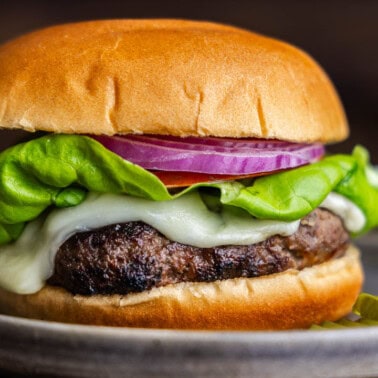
(292,299)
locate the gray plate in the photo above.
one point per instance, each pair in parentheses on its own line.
(51,349)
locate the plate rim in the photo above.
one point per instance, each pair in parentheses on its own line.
(29,346)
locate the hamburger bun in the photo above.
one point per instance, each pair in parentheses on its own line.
(166,77)
(291,299)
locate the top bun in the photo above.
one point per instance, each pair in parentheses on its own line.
(165,77)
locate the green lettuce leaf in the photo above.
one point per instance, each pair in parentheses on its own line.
(366,306)
(292,194)
(359,189)
(58,170)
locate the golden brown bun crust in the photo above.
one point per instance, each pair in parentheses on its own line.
(293,299)
(165,77)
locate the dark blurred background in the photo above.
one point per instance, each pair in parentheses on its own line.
(341,34)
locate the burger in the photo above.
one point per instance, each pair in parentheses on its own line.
(178,180)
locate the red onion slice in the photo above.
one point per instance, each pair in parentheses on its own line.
(211,155)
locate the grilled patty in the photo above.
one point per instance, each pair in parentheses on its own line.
(133,257)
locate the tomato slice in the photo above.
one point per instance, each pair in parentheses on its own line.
(174,179)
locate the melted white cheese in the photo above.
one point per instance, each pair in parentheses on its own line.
(26,264)
(354,219)
(372,175)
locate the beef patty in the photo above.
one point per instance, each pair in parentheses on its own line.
(133,257)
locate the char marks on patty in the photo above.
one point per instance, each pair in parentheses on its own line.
(133,256)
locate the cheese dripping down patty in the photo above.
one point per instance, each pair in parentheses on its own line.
(26,264)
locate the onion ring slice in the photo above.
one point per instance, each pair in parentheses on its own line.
(220,156)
